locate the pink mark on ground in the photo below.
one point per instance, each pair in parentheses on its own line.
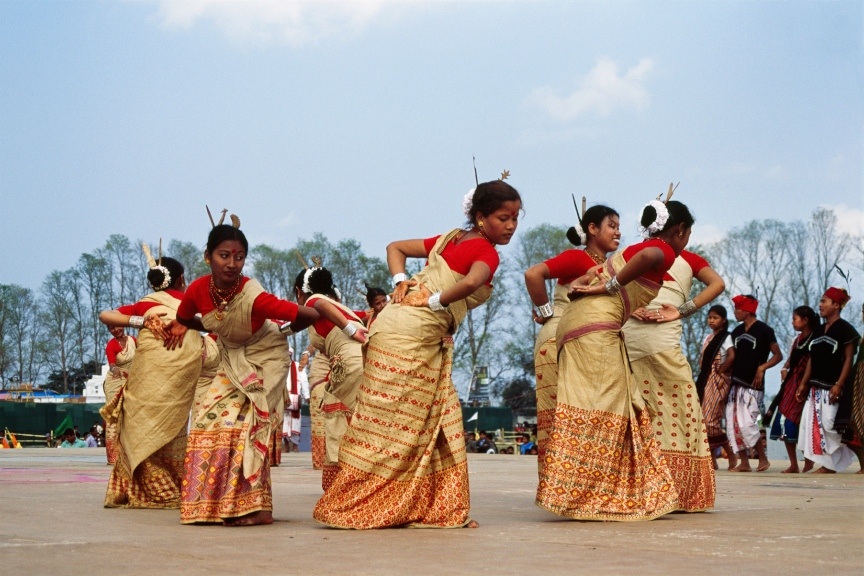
(46,476)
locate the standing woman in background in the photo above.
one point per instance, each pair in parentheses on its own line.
(338,333)
(598,231)
(151,410)
(402,460)
(377,299)
(712,386)
(119,352)
(665,379)
(602,460)
(227,466)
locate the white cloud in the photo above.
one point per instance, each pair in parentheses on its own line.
(293,22)
(849,220)
(602,90)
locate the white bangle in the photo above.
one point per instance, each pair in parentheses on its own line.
(435,302)
(612,286)
(305,353)
(136,321)
(400,277)
(546,310)
(349,330)
(286,329)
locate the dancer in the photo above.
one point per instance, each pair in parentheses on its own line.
(338,333)
(151,410)
(754,341)
(402,460)
(804,321)
(377,299)
(602,461)
(598,231)
(831,353)
(712,386)
(850,414)
(319,368)
(227,466)
(663,374)
(119,352)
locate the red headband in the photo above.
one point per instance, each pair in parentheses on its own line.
(838,295)
(746,303)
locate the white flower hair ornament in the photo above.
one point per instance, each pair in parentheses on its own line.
(468,202)
(306,275)
(151,263)
(659,221)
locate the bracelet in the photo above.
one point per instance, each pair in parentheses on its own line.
(435,302)
(349,330)
(612,286)
(546,310)
(687,309)
(286,329)
(136,321)
(305,353)
(400,277)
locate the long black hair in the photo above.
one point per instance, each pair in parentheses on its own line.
(593,215)
(711,349)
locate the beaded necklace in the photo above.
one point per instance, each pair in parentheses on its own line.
(221,298)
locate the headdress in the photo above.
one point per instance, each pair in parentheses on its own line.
(746,303)
(838,295)
(468,199)
(235,220)
(580,231)
(153,265)
(662,213)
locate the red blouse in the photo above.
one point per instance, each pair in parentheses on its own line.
(197,300)
(655,275)
(569,265)
(141,308)
(461,256)
(113,348)
(323,326)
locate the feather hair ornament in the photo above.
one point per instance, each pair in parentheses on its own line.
(151,262)
(302,261)
(846,276)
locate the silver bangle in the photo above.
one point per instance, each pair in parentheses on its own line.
(136,321)
(286,329)
(349,330)
(612,286)
(435,302)
(687,309)
(400,277)
(546,310)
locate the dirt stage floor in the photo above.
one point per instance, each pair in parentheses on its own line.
(53,523)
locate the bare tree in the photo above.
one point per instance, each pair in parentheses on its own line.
(191,256)
(59,319)
(829,246)
(94,279)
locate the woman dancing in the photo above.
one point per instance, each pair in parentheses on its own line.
(598,231)
(338,333)
(712,385)
(664,376)
(828,370)
(119,352)
(804,321)
(227,469)
(151,410)
(402,460)
(602,461)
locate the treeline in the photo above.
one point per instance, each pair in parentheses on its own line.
(53,337)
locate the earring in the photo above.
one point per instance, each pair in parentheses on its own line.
(207,261)
(480,224)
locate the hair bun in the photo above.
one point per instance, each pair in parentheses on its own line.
(573,236)
(649,215)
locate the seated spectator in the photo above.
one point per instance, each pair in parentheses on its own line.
(72,441)
(471,442)
(92,439)
(485,445)
(526,445)
(508,450)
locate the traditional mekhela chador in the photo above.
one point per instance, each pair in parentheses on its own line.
(602,461)
(151,409)
(227,458)
(402,460)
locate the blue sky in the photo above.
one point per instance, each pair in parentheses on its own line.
(360,119)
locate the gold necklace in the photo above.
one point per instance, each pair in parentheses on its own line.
(221,298)
(595,258)
(483,234)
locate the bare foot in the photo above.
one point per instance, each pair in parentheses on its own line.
(860,471)
(763,466)
(790,470)
(733,462)
(472,524)
(253,519)
(807,467)
(824,470)
(741,468)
